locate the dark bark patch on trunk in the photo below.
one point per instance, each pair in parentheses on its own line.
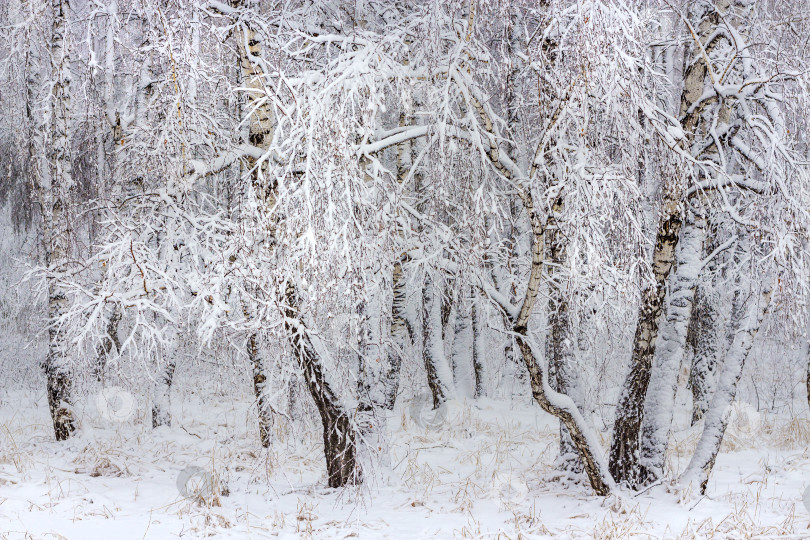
(339,436)
(625,464)
(59,384)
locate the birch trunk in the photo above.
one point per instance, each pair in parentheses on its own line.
(624,450)
(556,404)
(707,342)
(463,346)
(559,405)
(401,329)
(401,335)
(57,194)
(478,326)
(660,401)
(700,466)
(259,380)
(439,375)
(560,342)
(259,134)
(161,401)
(339,436)
(110,344)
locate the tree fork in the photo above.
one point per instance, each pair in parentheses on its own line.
(624,450)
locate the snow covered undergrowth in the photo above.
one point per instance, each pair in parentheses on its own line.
(485,473)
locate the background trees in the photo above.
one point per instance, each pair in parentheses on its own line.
(371,199)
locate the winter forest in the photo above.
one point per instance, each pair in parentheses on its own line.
(404,269)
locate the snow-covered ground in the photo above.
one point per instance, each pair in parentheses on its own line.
(485,473)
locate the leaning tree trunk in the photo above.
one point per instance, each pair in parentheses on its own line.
(560,342)
(660,401)
(339,435)
(58,191)
(700,466)
(559,405)
(554,403)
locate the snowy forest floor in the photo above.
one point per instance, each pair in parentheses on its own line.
(487,473)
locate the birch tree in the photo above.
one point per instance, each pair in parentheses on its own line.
(57,193)
(723,84)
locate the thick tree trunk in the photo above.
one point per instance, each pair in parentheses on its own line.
(700,466)
(439,375)
(624,450)
(660,401)
(339,436)
(59,386)
(57,193)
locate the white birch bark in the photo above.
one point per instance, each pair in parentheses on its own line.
(260,134)
(706,340)
(478,317)
(401,328)
(57,194)
(660,401)
(339,428)
(716,419)
(625,455)
(439,374)
(401,334)
(559,405)
(560,339)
